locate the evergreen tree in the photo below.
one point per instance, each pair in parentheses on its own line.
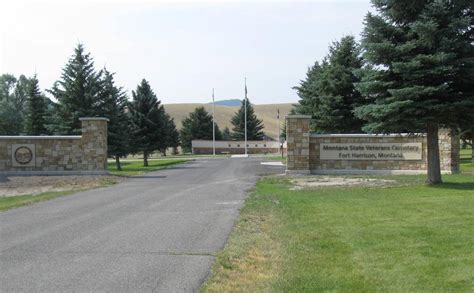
(226,134)
(283,131)
(77,92)
(309,88)
(36,109)
(114,103)
(198,125)
(13,97)
(328,93)
(254,125)
(171,135)
(147,119)
(421,74)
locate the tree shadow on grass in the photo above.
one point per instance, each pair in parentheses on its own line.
(456,185)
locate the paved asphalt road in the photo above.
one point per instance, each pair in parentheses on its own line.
(156,232)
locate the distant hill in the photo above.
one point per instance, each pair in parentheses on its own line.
(230,103)
(265,112)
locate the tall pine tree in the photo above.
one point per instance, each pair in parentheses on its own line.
(147,120)
(171,135)
(77,92)
(113,106)
(36,109)
(328,93)
(421,69)
(198,125)
(254,125)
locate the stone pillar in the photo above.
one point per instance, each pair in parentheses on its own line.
(449,150)
(297,138)
(94,144)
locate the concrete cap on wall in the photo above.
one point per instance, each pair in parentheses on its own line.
(94,119)
(299,116)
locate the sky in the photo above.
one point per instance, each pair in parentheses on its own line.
(183,48)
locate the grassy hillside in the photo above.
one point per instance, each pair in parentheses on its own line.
(224,113)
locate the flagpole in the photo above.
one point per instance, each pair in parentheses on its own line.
(279,126)
(213,126)
(245,81)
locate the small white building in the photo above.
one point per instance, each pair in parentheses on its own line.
(200,147)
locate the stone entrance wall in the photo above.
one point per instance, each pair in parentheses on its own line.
(57,155)
(304,152)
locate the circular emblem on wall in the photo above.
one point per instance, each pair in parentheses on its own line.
(23,155)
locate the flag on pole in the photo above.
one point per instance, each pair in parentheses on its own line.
(245,113)
(213,126)
(278,113)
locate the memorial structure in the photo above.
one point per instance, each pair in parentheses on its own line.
(84,154)
(310,153)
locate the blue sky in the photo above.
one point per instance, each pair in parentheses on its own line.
(184,48)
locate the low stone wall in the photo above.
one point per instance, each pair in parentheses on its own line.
(363,153)
(57,155)
(204,147)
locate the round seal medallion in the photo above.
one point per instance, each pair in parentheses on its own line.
(23,155)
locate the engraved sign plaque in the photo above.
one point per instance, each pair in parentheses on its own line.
(371,151)
(23,155)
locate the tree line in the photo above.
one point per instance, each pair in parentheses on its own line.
(140,125)
(413,71)
(198,125)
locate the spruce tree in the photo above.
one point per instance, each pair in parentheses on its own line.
(113,106)
(147,120)
(171,135)
(77,93)
(420,77)
(254,125)
(198,125)
(329,94)
(36,109)
(308,90)
(283,132)
(226,134)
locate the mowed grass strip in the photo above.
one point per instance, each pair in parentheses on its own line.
(408,237)
(135,167)
(11,202)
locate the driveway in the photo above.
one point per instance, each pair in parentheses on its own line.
(157,232)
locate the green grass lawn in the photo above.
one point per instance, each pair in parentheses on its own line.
(466,161)
(11,202)
(405,237)
(135,167)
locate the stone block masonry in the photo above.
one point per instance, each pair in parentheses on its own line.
(85,154)
(310,153)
